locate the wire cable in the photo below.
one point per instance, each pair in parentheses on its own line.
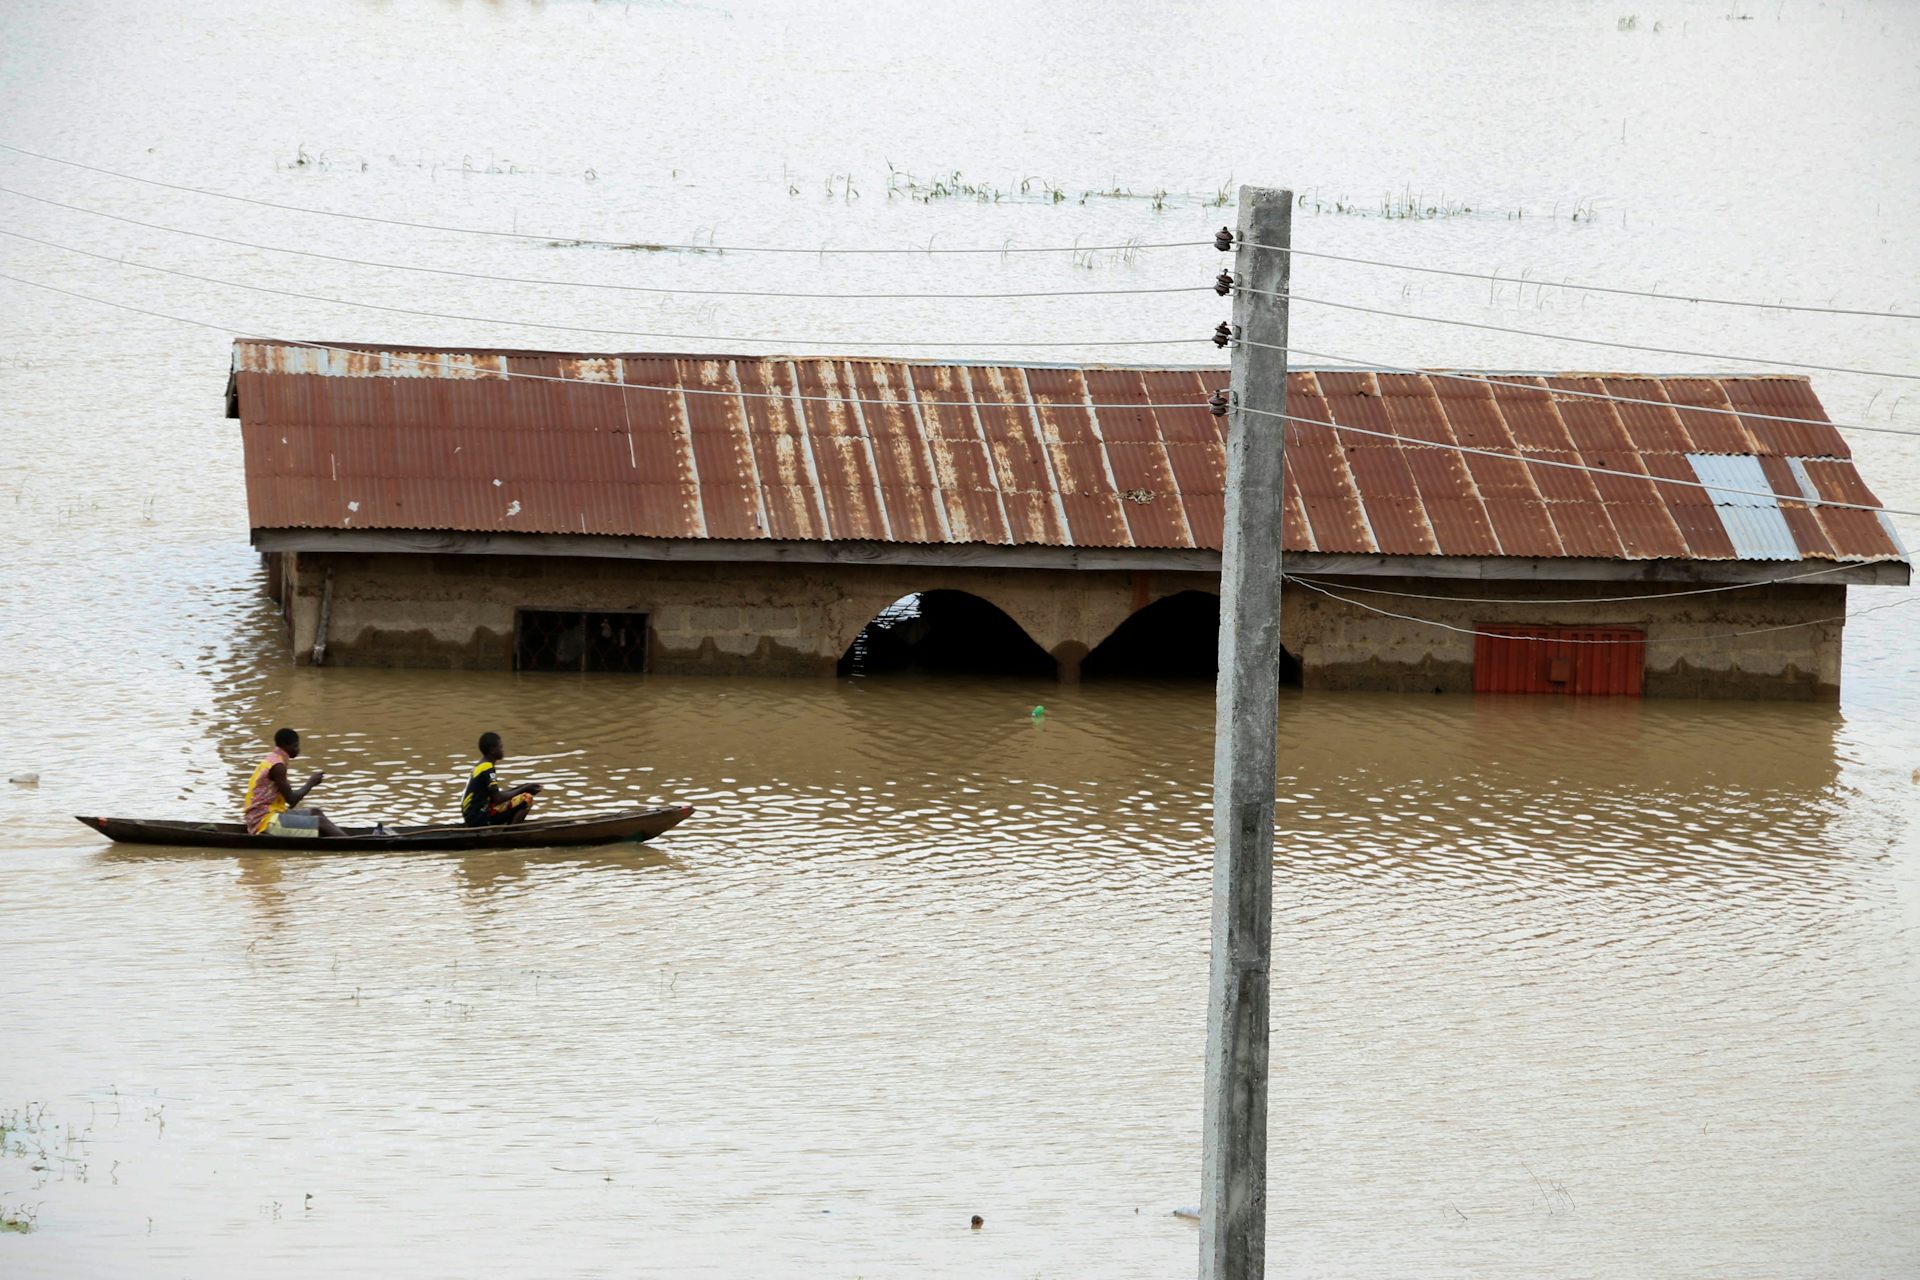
(905,401)
(1176,244)
(581,328)
(1650,640)
(915,400)
(1840,567)
(1358,365)
(1582,288)
(751,293)
(589,284)
(584,241)
(1567,337)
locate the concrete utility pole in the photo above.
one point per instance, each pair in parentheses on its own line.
(1233,1189)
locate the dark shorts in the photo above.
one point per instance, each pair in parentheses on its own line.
(496,815)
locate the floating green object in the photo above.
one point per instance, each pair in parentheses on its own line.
(1039,712)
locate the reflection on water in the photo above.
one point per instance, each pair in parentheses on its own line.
(1548,967)
(1561,988)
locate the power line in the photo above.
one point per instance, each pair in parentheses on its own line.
(1574,466)
(1752,416)
(1498,635)
(587,284)
(1004,249)
(1367,366)
(1843,567)
(954,404)
(506,376)
(1586,288)
(582,240)
(753,293)
(1567,337)
(581,328)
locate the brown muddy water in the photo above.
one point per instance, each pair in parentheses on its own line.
(1561,989)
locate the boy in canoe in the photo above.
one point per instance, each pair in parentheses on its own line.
(486,803)
(273,805)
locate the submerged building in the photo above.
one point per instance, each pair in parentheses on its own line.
(728,514)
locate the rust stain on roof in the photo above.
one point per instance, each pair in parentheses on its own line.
(741,448)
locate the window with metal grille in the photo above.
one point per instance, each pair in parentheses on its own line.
(567,640)
(1592,661)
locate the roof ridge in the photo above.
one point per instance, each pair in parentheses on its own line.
(447,349)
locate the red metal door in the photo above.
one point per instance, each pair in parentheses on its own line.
(1584,661)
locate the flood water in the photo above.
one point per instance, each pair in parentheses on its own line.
(1561,988)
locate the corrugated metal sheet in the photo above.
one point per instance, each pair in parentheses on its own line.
(1581,661)
(744,448)
(1753,521)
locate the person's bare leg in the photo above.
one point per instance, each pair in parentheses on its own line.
(326,824)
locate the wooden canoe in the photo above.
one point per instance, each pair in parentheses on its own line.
(535,833)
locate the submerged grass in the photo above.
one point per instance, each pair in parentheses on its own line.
(52,1153)
(326,160)
(956,184)
(693,245)
(1405,205)
(1408,205)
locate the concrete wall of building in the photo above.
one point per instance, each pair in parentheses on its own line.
(773,619)
(1691,651)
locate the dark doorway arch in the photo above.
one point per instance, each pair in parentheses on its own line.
(945,633)
(1175,638)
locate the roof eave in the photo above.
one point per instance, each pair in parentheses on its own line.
(992,555)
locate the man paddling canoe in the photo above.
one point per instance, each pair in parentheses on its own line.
(273,805)
(486,803)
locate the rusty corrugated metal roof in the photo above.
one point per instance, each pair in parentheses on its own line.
(750,447)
